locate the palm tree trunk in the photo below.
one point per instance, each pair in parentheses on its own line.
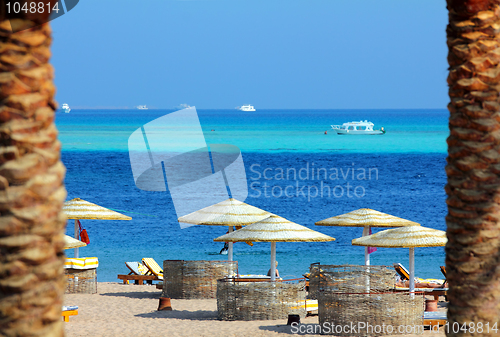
(31,184)
(473,249)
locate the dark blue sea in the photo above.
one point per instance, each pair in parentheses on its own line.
(400,173)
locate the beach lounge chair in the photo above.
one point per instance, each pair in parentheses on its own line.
(138,273)
(402,271)
(137,268)
(405,276)
(69,311)
(434,318)
(153,267)
(436,292)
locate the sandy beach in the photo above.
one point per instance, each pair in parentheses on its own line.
(131,310)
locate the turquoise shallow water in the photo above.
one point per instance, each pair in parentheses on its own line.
(409,160)
(422,131)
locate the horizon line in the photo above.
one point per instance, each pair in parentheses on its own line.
(177,108)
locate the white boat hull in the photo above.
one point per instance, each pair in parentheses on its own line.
(358,132)
(357,128)
(65,108)
(247,108)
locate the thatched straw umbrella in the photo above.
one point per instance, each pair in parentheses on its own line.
(79,209)
(367,218)
(70,242)
(230,212)
(405,237)
(275,229)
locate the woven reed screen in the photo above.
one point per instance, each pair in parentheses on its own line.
(345,301)
(249,301)
(194,279)
(314,281)
(81,281)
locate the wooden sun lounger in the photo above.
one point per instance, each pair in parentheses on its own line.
(434,318)
(254,279)
(436,292)
(434,322)
(138,279)
(136,271)
(65,314)
(153,267)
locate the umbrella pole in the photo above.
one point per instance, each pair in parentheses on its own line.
(230,247)
(412,272)
(77,234)
(273,261)
(366,232)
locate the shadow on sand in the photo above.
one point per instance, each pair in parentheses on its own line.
(442,304)
(200,315)
(289,330)
(137,294)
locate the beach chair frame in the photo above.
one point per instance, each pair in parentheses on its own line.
(402,271)
(153,267)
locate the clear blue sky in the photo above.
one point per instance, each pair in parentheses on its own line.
(276,54)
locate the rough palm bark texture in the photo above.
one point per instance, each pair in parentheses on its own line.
(473,249)
(31,185)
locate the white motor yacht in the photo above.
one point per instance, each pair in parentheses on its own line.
(65,108)
(357,128)
(247,108)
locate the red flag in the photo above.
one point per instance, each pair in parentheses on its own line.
(371,249)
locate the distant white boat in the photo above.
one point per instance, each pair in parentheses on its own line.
(65,108)
(142,107)
(247,108)
(357,128)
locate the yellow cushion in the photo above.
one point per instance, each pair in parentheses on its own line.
(428,280)
(151,264)
(142,270)
(309,305)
